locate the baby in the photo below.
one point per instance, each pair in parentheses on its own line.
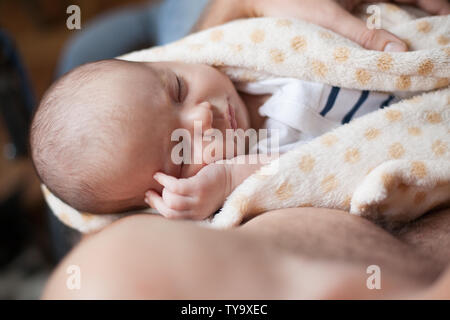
(101,138)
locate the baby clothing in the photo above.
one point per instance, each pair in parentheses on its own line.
(299,111)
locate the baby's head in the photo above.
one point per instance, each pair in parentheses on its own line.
(104,129)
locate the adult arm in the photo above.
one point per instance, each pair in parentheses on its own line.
(332,14)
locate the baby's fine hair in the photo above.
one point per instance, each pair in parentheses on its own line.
(71,139)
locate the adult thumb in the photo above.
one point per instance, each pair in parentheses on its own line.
(380,40)
(356,30)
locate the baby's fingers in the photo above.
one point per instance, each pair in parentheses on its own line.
(179,186)
(176,201)
(156,201)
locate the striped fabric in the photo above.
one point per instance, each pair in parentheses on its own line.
(300,110)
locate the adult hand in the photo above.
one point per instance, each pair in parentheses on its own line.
(335,15)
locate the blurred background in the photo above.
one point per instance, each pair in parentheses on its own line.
(33,34)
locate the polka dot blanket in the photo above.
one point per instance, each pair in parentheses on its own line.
(391,166)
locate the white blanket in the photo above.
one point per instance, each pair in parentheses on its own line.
(393,164)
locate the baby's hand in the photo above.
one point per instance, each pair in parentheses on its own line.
(196,197)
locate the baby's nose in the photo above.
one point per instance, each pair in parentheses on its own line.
(203,112)
(206,105)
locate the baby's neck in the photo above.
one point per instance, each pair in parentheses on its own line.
(253,102)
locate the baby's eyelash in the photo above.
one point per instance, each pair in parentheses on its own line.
(179,89)
(182,90)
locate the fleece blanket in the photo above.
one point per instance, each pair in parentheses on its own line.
(392,165)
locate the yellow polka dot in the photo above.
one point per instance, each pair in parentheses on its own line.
(414,131)
(325,35)
(329,139)
(419,197)
(439,148)
(306,163)
(418,169)
(415,99)
(443,40)
(442,83)
(371,133)
(329,183)
(393,115)
(284,22)
(363,76)
(396,150)
(447,51)
(284,191)
(423,26)
(237,47)
(384,62)
(247,77)
(341,54)
(216,35)
(426,67)
(346,202)
(196,46)
(298,43)
(352,155)
(258,36)
(319,68)
(403,82)
(433,117)
(277,55)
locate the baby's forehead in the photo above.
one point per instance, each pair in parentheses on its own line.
(105,86)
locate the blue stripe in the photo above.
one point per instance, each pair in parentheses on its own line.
(358,104)
(331,100)
(386,102)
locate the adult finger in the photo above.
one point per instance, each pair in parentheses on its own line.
(355,29)
(440,7)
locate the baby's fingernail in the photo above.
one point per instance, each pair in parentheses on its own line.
(395,47)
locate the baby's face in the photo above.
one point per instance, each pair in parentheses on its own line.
(163,97)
